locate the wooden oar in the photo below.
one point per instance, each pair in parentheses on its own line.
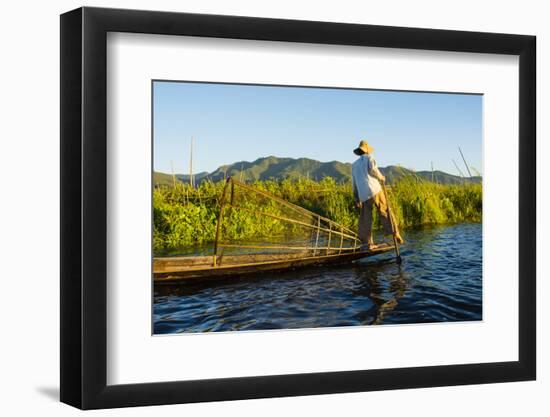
(398,259)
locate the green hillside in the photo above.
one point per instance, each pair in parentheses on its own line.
(393,173)
(274,168)
(160,178)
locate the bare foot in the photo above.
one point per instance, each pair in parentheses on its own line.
(369,246)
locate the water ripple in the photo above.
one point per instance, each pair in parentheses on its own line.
(440,280)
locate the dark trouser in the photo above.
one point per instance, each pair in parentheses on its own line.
(365,217)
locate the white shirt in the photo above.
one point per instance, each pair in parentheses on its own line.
(365,185)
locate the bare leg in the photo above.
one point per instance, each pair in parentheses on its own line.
(382,206)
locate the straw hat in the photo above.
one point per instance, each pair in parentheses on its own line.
(364,147)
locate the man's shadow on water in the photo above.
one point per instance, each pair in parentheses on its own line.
(384,282)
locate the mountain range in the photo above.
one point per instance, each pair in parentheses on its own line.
(275,168)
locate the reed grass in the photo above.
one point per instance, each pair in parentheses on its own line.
(185,216)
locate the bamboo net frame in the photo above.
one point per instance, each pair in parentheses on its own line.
(320,227)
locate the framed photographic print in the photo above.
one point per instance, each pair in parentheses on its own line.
(258,207)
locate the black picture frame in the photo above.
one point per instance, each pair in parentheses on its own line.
(84,207)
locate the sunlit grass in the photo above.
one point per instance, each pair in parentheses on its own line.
(186,216)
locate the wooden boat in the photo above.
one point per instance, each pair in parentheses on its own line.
(177,269)
(330,244)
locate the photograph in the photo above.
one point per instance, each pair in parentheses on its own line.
(298,207)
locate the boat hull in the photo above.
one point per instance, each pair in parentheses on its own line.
(182,269)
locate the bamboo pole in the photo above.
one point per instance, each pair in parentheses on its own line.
(191,180)
(465,163)
(317,238)
(220,218)
(341,241)
(392,225)
(173,175)
(329,235)
(458,169)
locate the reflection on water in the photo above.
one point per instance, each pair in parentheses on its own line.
(440,280)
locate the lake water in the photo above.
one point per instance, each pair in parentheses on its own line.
(440,280)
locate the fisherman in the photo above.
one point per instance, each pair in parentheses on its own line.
(368,193)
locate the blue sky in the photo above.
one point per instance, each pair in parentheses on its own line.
(233,123)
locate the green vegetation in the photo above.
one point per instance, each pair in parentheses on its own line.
(186,216)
